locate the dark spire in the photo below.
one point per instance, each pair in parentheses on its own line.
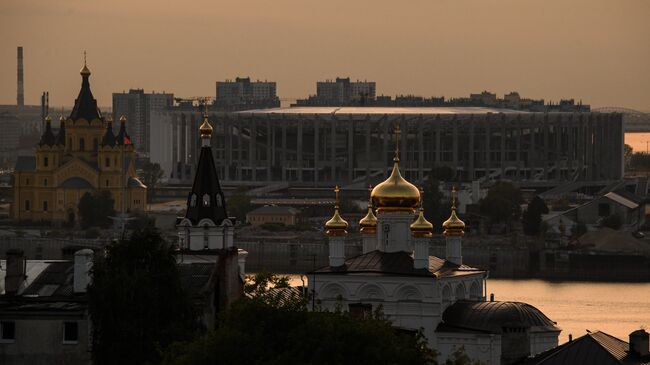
(85,106)
(122,137)
(48,137)
(206,200)
(109,136)
(60,138)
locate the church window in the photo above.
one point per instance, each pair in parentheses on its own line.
(45,206)
(82,144)
(205,236)
(44,182)
(95,144)
(360,309)
(26,181)
(27,205)
(106,182)
(193,200)
(70,332)
(45,161)
(219,200)
(206,200)
(107,162)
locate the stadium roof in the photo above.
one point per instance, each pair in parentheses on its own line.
(381,110)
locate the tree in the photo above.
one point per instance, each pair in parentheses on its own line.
(96,208)
(238,204)
(459,357)
(151,175)
(532,216)
(434,210)
(502,203)
(136,302)
(252,332)
(271,289)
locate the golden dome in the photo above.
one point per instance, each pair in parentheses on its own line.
(205,128)
(453,226)
(395,194)
(368,223)
(85,71)
(336,226)
(421,227)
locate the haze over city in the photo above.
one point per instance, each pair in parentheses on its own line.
(593,50)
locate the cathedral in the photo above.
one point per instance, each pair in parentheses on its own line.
(85,155)
(442,297)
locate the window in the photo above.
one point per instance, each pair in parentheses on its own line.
(193,200)
(8,331)
(219,200)
(206,200)
(46,161)
(44,182)
(106,182)
(82,144)
(70,332)
(27,205)
(45,206)
(107,162)
(603,210)
(95,144)
(360,309)
(27,181)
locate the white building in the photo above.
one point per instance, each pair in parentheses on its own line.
(416,291)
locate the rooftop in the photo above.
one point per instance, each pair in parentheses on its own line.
(397,264)
(380,110)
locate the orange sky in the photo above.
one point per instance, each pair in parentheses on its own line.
(597,50)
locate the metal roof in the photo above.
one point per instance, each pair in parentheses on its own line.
(380,110)
(621,200)
(397,263)
(597,348)
(492,317)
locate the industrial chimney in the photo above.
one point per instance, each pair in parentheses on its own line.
(20,92)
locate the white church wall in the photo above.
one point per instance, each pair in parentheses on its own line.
(542,341)
(478,346)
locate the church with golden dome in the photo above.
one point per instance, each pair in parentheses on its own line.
(416,291)
(83,156)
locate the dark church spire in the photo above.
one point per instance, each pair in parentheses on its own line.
(109,137)
(60,138)
(206,200)
(85,106)
(47,139)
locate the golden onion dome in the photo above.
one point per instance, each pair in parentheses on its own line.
(421,227)
(205,128)
(336,226)
(396,194)
(368,223)
(85,71)
(453,226)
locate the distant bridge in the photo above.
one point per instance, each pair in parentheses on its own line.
(635,121)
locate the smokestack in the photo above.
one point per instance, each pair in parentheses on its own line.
(20,95)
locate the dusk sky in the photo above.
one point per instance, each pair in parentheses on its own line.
(596,50)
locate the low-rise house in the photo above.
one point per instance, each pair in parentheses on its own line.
(629,208)
(597,348)
(273,214)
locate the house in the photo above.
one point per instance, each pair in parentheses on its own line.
(629,208)
(597,348)
(273,214)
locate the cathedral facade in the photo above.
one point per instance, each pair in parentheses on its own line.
(83,156)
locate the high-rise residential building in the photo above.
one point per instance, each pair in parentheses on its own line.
(342,92)
(243,94)
(138,107)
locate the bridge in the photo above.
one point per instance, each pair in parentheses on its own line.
(635,121)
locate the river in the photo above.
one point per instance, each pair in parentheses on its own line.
(615,308)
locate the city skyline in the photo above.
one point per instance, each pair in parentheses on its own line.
(594,51)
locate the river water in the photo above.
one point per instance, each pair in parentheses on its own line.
(615,308)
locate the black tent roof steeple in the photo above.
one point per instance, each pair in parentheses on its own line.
(206,200)
(85,106)
(47,139)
